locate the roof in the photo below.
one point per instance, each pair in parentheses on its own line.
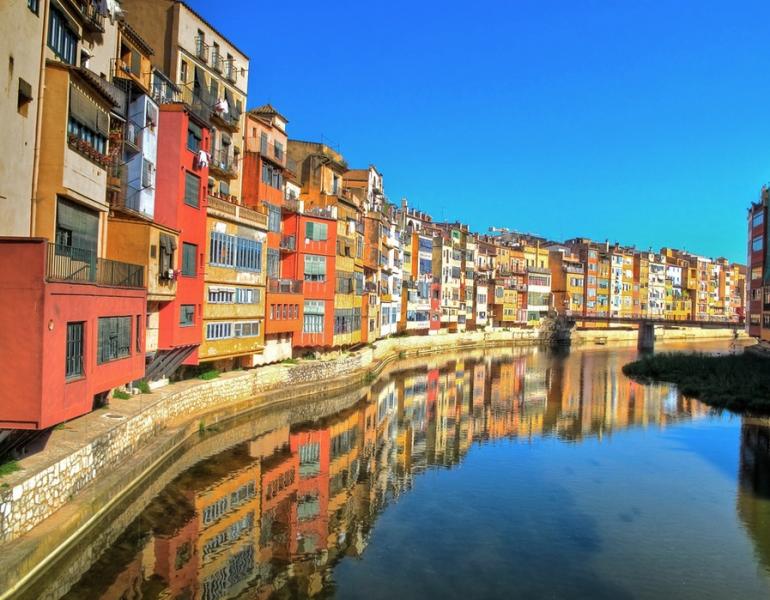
(136,38)
(95,82)
(267,109)
(214,29)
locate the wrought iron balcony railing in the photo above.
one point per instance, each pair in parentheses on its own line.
(66,263)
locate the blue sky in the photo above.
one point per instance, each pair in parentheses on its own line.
(642,122)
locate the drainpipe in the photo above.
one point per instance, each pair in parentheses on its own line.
(39,116)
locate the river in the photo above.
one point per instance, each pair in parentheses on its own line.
(507,474)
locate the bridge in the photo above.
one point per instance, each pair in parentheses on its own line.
(646,325)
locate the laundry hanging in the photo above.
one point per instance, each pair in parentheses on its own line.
(203,158)
(222,107)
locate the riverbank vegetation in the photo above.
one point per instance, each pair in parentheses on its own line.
(740,383)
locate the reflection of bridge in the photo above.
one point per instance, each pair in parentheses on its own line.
(646,340)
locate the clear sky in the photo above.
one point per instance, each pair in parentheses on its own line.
(645,122)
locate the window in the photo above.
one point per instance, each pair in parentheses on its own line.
(114,338)
(273,263)
(246,329)
(218,331)
(187,315)
(192,190)
(273,218)
(247,296)
(766,321)
(167,247)
(76,227)
(272,176)
(189,259)
(315,268)
(218,295)
(249,255)
(756,244)
(316,231)
(74,357)
(314,316)
(758,219)
(88,134)
(183,73)
(194,137)
(756,272)
(61,39)
(33,5)
(222,249)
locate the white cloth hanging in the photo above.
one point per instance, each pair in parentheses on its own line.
(203,158)
(221,106)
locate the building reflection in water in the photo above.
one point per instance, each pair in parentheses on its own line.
(753,501)
(270,517)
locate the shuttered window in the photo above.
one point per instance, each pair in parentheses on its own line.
(189,259)
(192,190)
(316,231)
(74,356)
(315,268)
(76,226)
(114,338)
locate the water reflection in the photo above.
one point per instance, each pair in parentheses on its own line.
(272,516)
(754,490)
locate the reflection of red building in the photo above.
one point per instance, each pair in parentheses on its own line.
(312,449)
(181,204)
(435,306)
(279,493)
(758,272)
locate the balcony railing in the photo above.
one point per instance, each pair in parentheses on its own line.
(288,243)
(272,151)
(77,265)
(231,72)
(284,286)
(93,19)
(224,162)
(201,49)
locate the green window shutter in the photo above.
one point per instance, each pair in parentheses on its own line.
(192,190)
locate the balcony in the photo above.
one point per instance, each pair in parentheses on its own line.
(273,152)
(132,136)
(230,119)
(291,204)
(224,163)
(76,265)
(288,243)
(93,20)
(231,72)
(576,269)
(284,286)
(201,49)
(228,205)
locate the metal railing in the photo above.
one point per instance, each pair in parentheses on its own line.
(288,243)
(231,73)
(224,161)
(94,20)
(201,49)
(272,151)
(78,265)
(284,286)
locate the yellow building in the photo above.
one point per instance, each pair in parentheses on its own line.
(234,297)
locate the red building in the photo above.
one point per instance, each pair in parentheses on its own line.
(758,275)
(264,188)
(314,264)
(71,330)
(180,203)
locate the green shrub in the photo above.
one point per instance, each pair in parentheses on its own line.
(144,387)
(369,377)
(736,382)
(210,374)
(9,466)
(121,395)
